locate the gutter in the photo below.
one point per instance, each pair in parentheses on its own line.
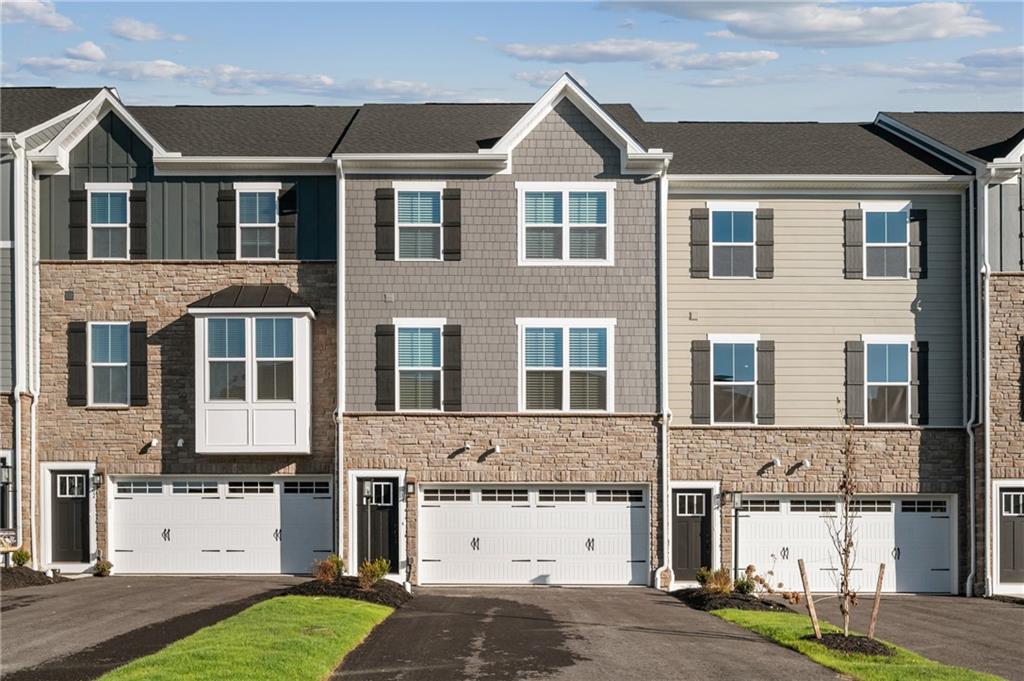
(665,415)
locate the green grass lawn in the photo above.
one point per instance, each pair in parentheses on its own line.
(788,629)
(289,637)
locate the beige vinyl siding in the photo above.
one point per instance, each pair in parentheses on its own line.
(810,310)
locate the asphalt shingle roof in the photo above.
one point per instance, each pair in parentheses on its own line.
(23,108)
(788,149)
(297,131)
(985,135)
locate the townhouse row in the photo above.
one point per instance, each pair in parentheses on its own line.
(546,343)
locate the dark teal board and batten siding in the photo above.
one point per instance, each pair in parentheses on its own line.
(1005,228)
(181,210)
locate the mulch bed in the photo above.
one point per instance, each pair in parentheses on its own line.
(384,592)
(1013,600)
(853,644)
(698,599)
(20,577)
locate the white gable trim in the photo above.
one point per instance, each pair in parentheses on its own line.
(567,87)
(23,137)
(59,148)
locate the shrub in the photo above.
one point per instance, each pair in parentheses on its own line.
(703,575)
(329,569)
(103,568)
(372,572)
(21,557)
(744,585)
(719,582)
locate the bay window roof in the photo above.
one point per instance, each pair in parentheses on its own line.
(251,297)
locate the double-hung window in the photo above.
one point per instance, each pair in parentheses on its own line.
(257,220)
(108,220)
(108,364)
(886,241)
(226,354)
(275,357)
(887,381)
(566,224)
(566,364)
(418,220)
(733,379)
(732,240)
(419,363)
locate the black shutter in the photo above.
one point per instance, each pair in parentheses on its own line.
(137,224)
(700,354)
(765,243)
(766,382)
(226,224)
(853,219)
(137,352)
(700,249)
(918,229)
(385,335)
(385,223)
(77,379)
(855,382)
(452,247)
(287,222)
(452,367)
(919,384)
(78,224)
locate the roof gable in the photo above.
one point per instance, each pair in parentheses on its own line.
(22,109)
(980,135)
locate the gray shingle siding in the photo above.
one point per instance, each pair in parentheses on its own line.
(182,211)
(487,289)
(1005,229)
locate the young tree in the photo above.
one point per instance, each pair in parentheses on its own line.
(842,531)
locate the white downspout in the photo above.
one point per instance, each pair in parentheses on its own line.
(986,270)
(18,199)
(663,410)
(339,414)
(32,252)
(970,377)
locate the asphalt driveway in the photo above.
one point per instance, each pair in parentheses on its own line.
(564,634)
(82,628)
(976,633)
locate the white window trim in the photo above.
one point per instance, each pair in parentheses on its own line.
(109,188)
(732,339)
(418,323)
(274,187)
(732,207)
(256,361)
(403,186)
(607,323)
(565,188)
(90,364)
(887,339)
(883,207)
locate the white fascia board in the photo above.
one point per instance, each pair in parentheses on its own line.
(797,179)
(251,311)
(917,137)
(424,164)
(566,87)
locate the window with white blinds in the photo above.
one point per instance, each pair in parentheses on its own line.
(108,363)
(257,225)
(418,221)
(419,367)
(274,359)
(108,224)
(566,365)
(566,224)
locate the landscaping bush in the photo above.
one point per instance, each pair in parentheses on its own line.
(329,569)
(744,585)
(103,568)
(703,575)
(21,557)
(719,582)
(372,572)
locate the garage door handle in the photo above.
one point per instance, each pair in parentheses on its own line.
(785,553)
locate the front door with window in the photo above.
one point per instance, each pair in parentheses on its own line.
(1011,536)
(69,529)
(691,533)
(377,520)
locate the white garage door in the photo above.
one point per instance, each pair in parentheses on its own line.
(234,526)
(533,535)
(911,535)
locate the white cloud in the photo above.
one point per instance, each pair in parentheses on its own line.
(990,69)
(38,12)
(89,51)
(827,24)
(996,57)
(724,33)
(607,50)
(140,31)
(722,60)
(226,79)
(544,78)
(749,80)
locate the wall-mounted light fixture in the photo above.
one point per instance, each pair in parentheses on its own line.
(153,443)
(97,480)
(410,487)
(181,442)
(806,463)
(497,449)
(6,474)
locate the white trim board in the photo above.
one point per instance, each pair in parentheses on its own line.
(352,548)
(716,525)
(46,470)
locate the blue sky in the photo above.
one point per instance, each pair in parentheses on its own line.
(674,61)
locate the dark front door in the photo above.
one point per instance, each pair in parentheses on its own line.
(69,507)
(691,532)
(1011,535)
(377,519)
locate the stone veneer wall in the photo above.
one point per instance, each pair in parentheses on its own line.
(1006,335)
(889,461)
(534,449)
(159,293)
